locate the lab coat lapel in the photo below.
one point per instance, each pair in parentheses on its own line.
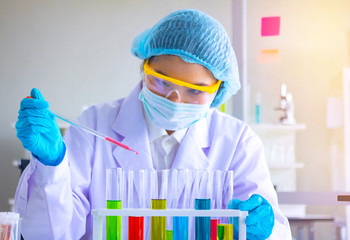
(130,123)
(191,153)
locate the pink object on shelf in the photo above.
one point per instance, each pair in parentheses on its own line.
(270,26)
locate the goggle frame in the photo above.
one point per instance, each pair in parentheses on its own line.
(209,89)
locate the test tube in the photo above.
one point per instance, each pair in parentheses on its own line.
(227,193)
(158,224)
(172,198)
(6,232)
(130,177)
(163,184)
(153,183)
(225,231)
(202,224)
(142,189)
(135,224)
(113,223)
(214,229)
(180,224)
(180,228)
(206,184)
(135,228)
(160,194)
(114,182)
(169,235)
(218,179)
(196,175)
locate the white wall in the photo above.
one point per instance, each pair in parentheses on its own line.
(76,53)
(314,47)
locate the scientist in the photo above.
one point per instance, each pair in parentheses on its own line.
(170,118)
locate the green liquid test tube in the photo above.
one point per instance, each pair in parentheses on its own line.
(158,224)
(114,223)
(225,231)
(169,235)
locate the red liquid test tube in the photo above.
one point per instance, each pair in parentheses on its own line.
(135,228)
(214,229)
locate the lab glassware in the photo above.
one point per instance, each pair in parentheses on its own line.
(202,223)
(113,223)
(98,215)
(114,192)
(158,224)
(225,231)
(178,189)
(169,235)
(9,226)
(180,185)
(93,132)
(214,229)
(160,187)
(136,226)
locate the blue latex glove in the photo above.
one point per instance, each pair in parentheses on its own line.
(38,130)
(260,220)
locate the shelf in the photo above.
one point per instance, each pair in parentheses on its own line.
(286,165)
(277,127)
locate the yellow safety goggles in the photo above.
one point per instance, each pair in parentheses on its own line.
(209,89)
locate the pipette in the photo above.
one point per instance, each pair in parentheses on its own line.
(91,131)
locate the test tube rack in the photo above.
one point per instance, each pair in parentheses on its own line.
(100,214)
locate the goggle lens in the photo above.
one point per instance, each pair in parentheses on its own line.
(177,90)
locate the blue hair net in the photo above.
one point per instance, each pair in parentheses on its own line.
(197,38)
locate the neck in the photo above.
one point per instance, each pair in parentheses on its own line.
(169,132)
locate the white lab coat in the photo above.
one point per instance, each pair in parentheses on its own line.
(56,202)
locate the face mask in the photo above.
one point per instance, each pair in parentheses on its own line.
(170,115)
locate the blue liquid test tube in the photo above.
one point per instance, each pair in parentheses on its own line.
(180,224)
(202,224)
(180,228)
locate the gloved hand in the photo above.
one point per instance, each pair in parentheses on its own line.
(38,130)
(260,220)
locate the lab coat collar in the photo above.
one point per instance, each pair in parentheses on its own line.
(130,124)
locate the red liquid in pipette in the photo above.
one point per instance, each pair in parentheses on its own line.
(120,144)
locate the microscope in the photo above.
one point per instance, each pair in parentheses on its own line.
(286,106)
